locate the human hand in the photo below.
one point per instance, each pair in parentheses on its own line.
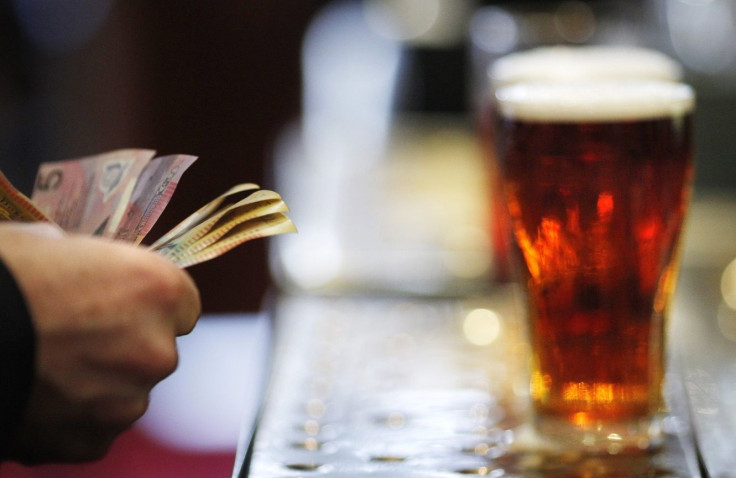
(106,317)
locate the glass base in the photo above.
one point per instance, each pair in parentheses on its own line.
(619,437)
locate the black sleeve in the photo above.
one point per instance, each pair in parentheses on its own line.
(17,357)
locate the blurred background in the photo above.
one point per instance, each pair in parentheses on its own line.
(279,92)
(361,113)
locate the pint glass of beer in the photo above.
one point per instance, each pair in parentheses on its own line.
(597,177)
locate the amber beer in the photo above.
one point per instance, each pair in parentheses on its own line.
(597,177)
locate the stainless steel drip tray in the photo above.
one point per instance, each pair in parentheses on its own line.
(415,387)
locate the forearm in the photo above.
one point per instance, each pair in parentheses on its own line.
(17,356)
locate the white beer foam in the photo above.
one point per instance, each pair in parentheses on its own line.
(595,101)
(572,63)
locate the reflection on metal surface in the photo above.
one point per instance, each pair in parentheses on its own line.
(401,391)
(482,326)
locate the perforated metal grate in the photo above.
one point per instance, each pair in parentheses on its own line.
(413,388)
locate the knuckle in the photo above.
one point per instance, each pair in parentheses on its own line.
(155,358)
(159,281)
(161,360)
(172,293)
(122,415)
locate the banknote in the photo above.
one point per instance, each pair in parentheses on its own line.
(152,193)
(201,214)
(61,191)
(115,177)
(15,206)
(122,193)
(263,226)
(235,215)
(217,224)
(82,195)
